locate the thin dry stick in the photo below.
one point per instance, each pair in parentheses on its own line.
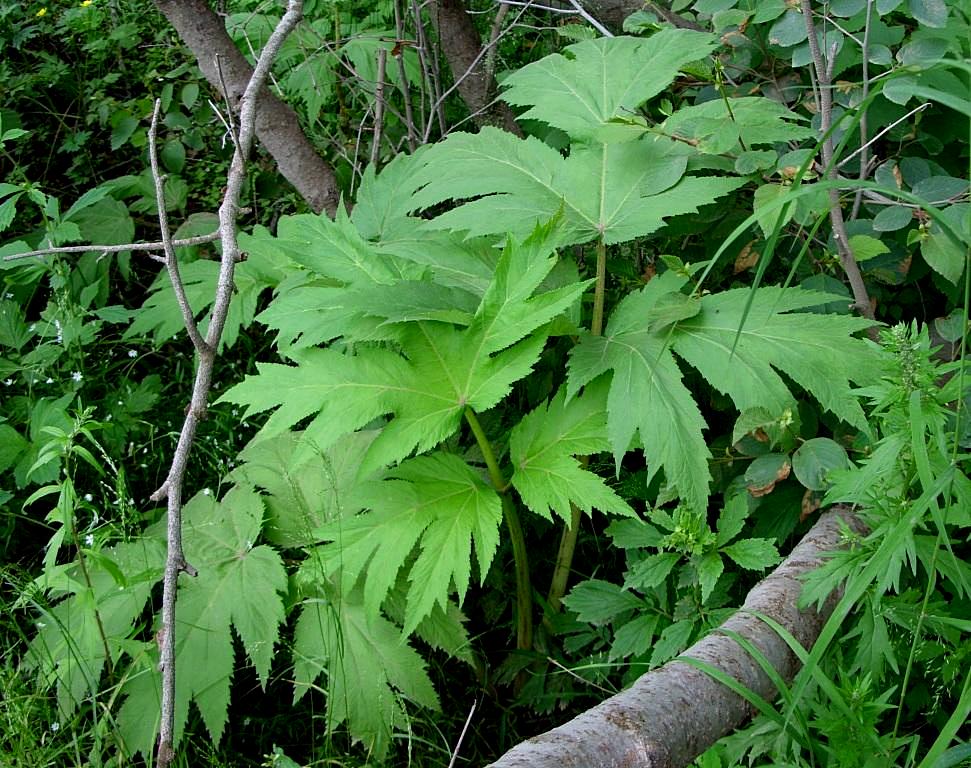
(429,65)
(399,32)
(861,299)
(482,52)
(106,249)
(172,487)
(379,105)
(171,262)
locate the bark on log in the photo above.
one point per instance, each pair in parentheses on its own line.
(277,126)
(674,713)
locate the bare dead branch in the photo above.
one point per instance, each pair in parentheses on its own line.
(171,262)
(106,249)
(673,713)
(824,96)
(379,105)
(172,487)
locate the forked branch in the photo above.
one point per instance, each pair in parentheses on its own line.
(206,354)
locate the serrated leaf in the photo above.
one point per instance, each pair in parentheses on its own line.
(646,392)
(543,447)
(595,81)
(753,554)
(651,571)
(634,534)
(509,311)
(817,351)
(444,370)
(437,502)
(69,649)
(301,497)
(618,191)
(732,519)
(634,637)
(238,585)
(709,568)
(597,602)
(865,247)
(673,640)
(720,126)
(161,318)
(366,664)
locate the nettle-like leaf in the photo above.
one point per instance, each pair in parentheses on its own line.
(543,447)
(440,371)
(617,191)
(238,585)
(436,502)
(69,649)
(592,84)
(369,669)
(647,395)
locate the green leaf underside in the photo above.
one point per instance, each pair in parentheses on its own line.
(619,191)
(599,80)
(752,120)
(543,447)
(368,669)
(646,391)
(238,586)
(436,502)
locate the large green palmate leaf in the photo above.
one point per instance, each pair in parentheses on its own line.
(543,447)
(592,89)
(647,395)
(730,125)
(369,669)
(436,502)
(618,191)
(442,371)
(238,586)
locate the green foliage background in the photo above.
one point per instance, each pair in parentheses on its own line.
(626,332)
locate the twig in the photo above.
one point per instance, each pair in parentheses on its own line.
(171,262)
(172,487)
(490,63)
(105,249)
(399,32)
(429,65)
(590,19)
(894,124)
(379,105)
(465,728)
(468,71)
(824,98)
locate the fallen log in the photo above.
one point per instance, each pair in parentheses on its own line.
(672,714)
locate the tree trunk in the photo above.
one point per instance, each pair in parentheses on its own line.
(674,713)
(277,126)
(462,48)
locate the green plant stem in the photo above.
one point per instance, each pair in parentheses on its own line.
(599,289)
(568,539)
(524,589)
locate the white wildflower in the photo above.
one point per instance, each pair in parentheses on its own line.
(76,375)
